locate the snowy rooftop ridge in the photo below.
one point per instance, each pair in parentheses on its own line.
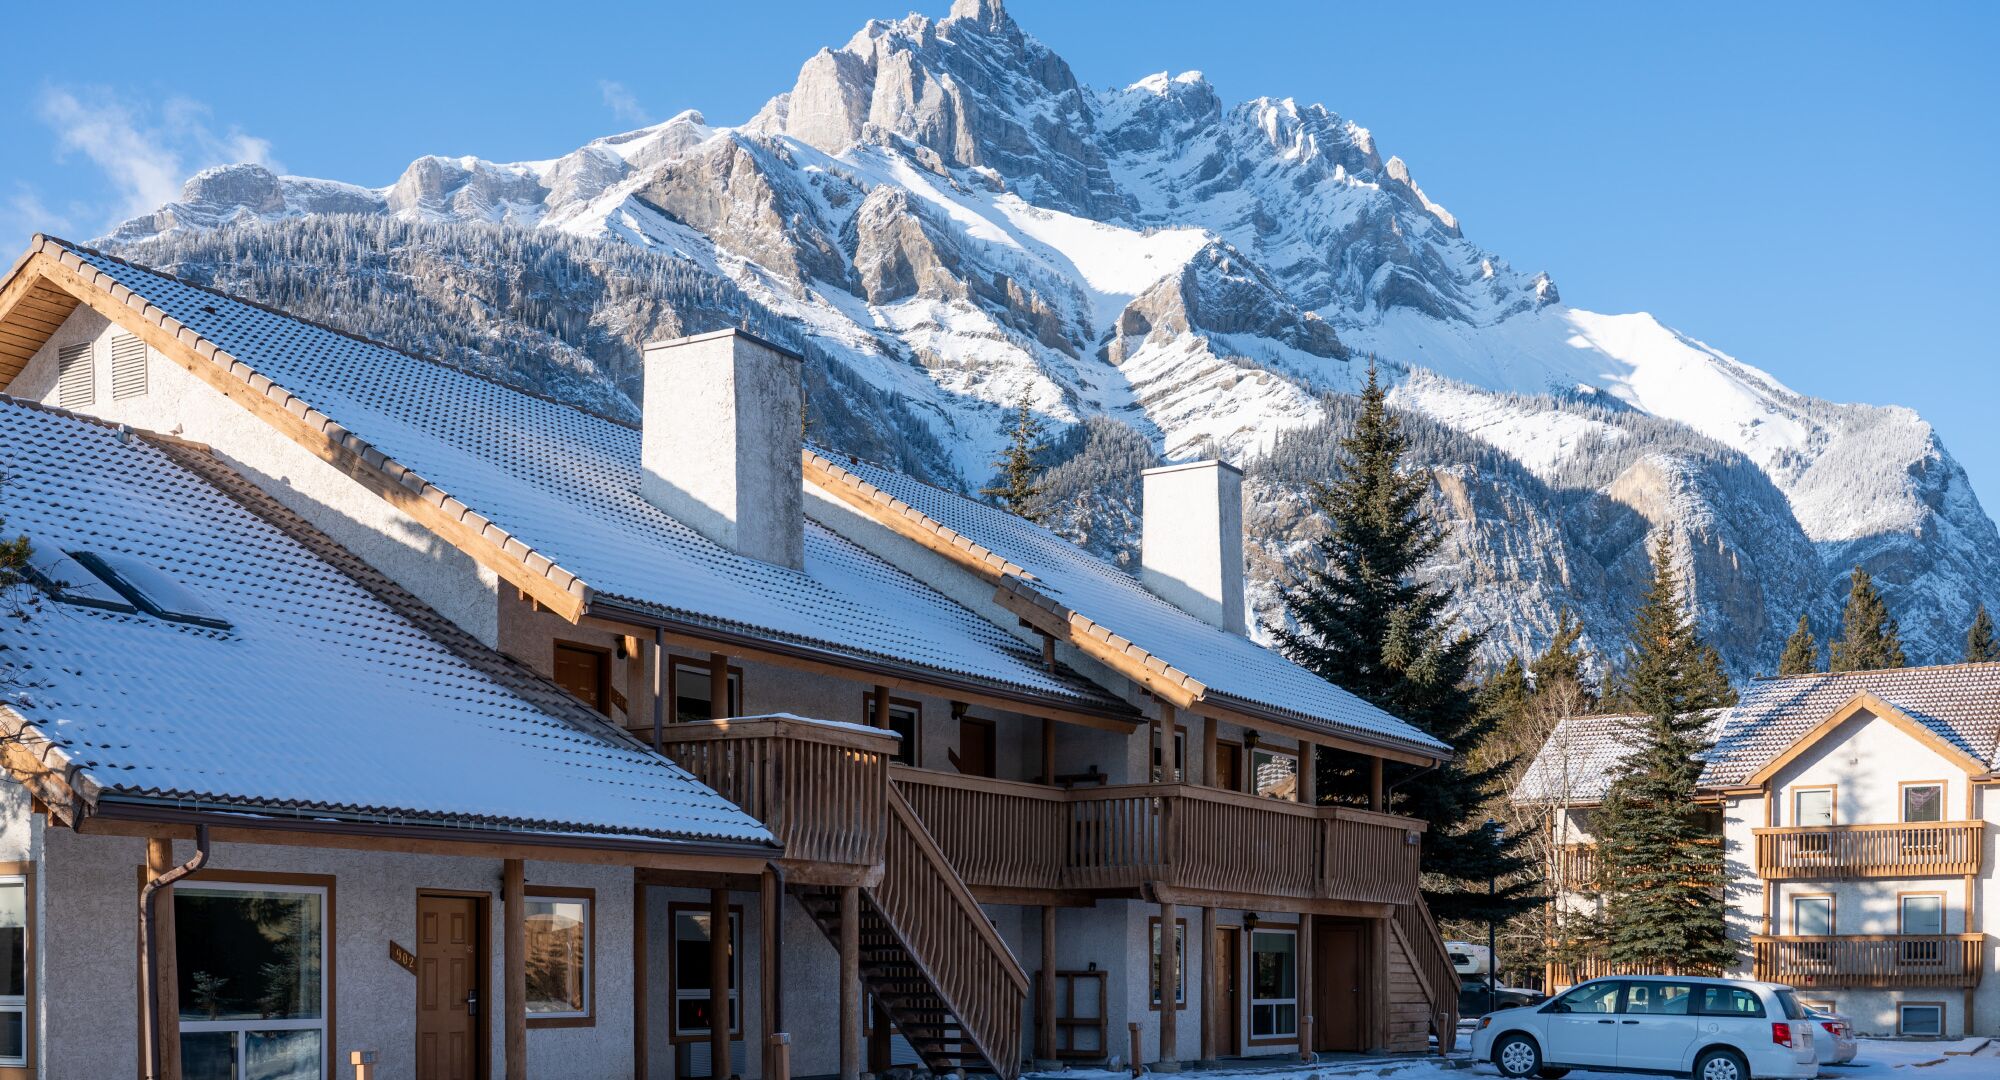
(329,694)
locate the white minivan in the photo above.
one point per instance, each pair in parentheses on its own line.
(1710,1029)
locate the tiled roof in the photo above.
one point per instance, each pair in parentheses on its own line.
(1050,571)
(329,693)
(558,489)
(1959,702)
(1579,760)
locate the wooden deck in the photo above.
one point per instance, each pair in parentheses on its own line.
(1871,960)
(1900,850)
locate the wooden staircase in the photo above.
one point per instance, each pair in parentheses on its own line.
(930,956)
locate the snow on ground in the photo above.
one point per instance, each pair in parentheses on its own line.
(1879,1059)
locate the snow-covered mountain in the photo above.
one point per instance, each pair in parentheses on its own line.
(946,219)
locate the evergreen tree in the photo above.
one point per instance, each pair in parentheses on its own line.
(1980,645)
(1020,488)
(1363,622)
(1663,865)
(1801,652)
(1868,635)
(1564,659)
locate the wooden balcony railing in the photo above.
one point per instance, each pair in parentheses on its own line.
(1561,975)
(1425,943)
(1576,867)
(1005,834)
(1911,849)
(821,788)
(1871,960)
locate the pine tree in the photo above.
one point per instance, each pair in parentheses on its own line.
(1361,620)
(1664,873)
(1564,659)
(1020,489)
(1801,652)
(1980,644)
(1868,635)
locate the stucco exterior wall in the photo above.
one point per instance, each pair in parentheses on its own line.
(88,915)
(178,403)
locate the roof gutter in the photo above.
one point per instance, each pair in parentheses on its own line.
(337,823)
(606,607)
(1437,755)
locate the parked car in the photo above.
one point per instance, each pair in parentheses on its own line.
(1710,1029)
(1835,1038)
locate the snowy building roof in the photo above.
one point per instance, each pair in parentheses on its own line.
(310,684)
(1959,703)
(1221,666)
(1578,761)
(557,490)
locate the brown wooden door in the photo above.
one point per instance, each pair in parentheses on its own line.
(975,747)
(1229,990)
(1229,766)
(448,963)
(1338,989)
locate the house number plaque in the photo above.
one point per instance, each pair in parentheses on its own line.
(404,958)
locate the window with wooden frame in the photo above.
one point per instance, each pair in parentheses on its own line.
(1814,808)
(1180,961)
(1274,772)
(1274,984)
(1920,916)
(1923,800)
(562,956)
(1180,758)
(256,976)
(585,671)
(17,970)
(1812,916)
(688,686)
(906,718)
(1920,1018)
(688,972)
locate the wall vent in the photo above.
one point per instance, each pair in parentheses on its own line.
(76,376)
(128,367)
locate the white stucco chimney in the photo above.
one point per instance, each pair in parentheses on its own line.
(721,442)
(1191,542)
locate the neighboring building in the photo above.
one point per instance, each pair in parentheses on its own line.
(995,765)
(1857,813)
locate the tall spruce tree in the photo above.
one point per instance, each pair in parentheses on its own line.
(1564,659)
(1663,866)
(1801,652)
(1020,489)
(1363,621)
(1981,646)
(1869,638)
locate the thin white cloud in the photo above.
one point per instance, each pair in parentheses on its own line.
(24,214)
(622,103)
(144,152)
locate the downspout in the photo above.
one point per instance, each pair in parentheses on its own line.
(149,1014)
(1389,792)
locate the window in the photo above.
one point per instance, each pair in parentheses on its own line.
(1274,983)
(1274,773)
(561,937)
(586,673)
(1920,1019)
(690,971)
(128,367)
(906,718)
(690,689)
(1713,1000)
(1812,915)
(1921,913)
(252,962)
(1812,807)
(1180,759)
(76,375)
(14,968)
(1923,802)
(1659,999)
(1596,997)
(1180,961)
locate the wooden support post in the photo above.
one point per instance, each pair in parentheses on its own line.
(1169,979)
(1377,800)
(1136,1066)
(1210,983)
(1208,752)
(878,708)
(770,904)
(514,966)
(718,687)
(1165,728)
(878,1039)
(659,688)
(850,982)
(779,1056)
(1306,988)
(1308,773)
(166,969)
(1045,989)
(1048,751)
(719,969)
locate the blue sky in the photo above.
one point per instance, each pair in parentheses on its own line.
(1803,186)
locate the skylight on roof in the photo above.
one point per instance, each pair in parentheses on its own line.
(69,582)
(153,591)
